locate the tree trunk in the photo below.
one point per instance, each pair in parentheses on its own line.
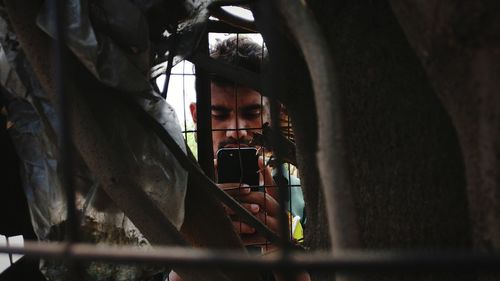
(458,43)
(407,166)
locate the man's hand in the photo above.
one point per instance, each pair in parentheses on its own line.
(261,204)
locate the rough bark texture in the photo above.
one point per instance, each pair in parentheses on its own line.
(406,163)
(458,45)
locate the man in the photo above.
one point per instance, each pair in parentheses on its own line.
(237,113)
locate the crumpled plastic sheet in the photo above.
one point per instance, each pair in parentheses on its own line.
(87,44)
(38,165)
(118,66)
(189,33)
(102,221)
(34,134)
(116,49)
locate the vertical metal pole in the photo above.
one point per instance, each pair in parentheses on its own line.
(280,180)
(66,157)
(204,116)
(170,64)
(334,175)
(66,161)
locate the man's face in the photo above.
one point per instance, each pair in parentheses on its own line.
(237,112)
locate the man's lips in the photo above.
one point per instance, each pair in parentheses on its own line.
(236,145)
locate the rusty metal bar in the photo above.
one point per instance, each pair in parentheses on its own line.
(221,3)
(233,20)
(331,153)
(345,262)
(170,63)
(281,182)
(223,27)
(204,116)
(231,72)
(66,158)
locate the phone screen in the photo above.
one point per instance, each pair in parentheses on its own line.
(238,165)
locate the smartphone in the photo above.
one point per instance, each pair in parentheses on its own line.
(238,165)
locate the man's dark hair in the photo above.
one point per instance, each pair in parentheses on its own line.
(240,51)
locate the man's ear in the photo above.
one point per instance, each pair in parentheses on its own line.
(192,108)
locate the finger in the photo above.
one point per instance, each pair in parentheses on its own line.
(216,174)
(173,276)
(270,221)
(243,228)
(266,202)
(258,239)
(252,208)
(234,189)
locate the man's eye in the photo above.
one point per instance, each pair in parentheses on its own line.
(252,114)
(219,115)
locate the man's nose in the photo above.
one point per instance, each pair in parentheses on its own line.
(238,131)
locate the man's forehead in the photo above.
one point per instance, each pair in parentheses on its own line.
(230,95)
(241,106)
